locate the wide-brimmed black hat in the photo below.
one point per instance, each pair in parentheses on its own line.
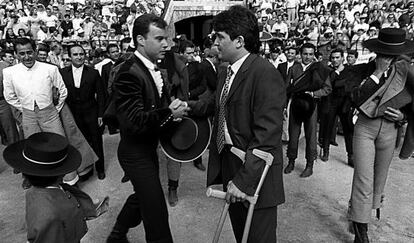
(302,106)
(390,41)
(186,140)
(43,154)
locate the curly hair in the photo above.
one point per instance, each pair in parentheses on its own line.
(239,21)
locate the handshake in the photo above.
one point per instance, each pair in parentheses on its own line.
(179,108)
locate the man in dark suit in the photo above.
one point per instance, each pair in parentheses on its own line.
(113,54)
(284,67)
(141,99)
(196,78)
(338,103)
(296,119)
(208,64)
(249,104)
(86,101)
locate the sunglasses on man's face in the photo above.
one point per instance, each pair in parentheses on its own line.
(66,59)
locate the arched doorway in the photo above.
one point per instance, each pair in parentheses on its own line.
(195,28)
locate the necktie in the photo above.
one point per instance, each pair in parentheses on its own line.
(221,115)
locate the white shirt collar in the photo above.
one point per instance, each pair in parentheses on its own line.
(305,66)
(150,65)
(77,69)
(236,65)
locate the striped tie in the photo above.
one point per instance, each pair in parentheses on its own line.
(221,115)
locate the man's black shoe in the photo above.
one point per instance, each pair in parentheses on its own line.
(101,175)
(289,168)
(124,179)
(116,237)
(86,176)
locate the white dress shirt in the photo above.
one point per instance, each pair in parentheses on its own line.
(156,74)
(235,68)
(24,86)
(77,75)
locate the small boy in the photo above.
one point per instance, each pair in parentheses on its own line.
(55,212)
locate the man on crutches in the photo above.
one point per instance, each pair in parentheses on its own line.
(248,115)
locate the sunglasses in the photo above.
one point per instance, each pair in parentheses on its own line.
(66,59)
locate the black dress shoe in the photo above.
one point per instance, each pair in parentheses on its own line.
(334,143)
(325,156)
(200,166)
(289,168)
(86,176)
(308,170)
(101,175)
(124,179)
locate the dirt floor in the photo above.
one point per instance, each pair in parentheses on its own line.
(315,208)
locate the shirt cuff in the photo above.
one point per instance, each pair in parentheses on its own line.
(374,78)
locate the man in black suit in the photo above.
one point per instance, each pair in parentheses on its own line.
(249,104)
(113,54)
(141,99)
(86,101)
(338,103)
(284,67)
(209,64)
(196,78)
(296,117)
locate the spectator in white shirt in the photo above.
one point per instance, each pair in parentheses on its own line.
(280,28)
(28,86)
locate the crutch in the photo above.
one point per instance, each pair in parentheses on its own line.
(268,158)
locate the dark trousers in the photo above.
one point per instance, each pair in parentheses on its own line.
(8,127)
(337,107)
(264,221)
(87,122)
(147,204)
(295,126)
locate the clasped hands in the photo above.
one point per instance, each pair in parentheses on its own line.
(179,108)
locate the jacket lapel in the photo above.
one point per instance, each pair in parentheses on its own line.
(240,75)
(149,78)
(397,82)
(70,75)
(83,76)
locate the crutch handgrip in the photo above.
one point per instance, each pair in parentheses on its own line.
(215,193)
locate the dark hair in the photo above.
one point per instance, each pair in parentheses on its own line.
(307,45)
(337,50)
(318,54)
(111,46)
(239,21)
(72,46)
(126,40)
(182,45)
(43,47)
(142,24)
(42,181)
(67,15)
(353,52)
(23,41)
(9,51)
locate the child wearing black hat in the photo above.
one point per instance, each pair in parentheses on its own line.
(55,212)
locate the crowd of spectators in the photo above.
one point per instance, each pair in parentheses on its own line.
(330,24)
(92,23)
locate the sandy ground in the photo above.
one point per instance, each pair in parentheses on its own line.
(315,208)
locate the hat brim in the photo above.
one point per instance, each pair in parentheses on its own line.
(379,47)
(14,157)
(196,150)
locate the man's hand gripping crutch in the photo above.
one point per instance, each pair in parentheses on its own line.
(268,158)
